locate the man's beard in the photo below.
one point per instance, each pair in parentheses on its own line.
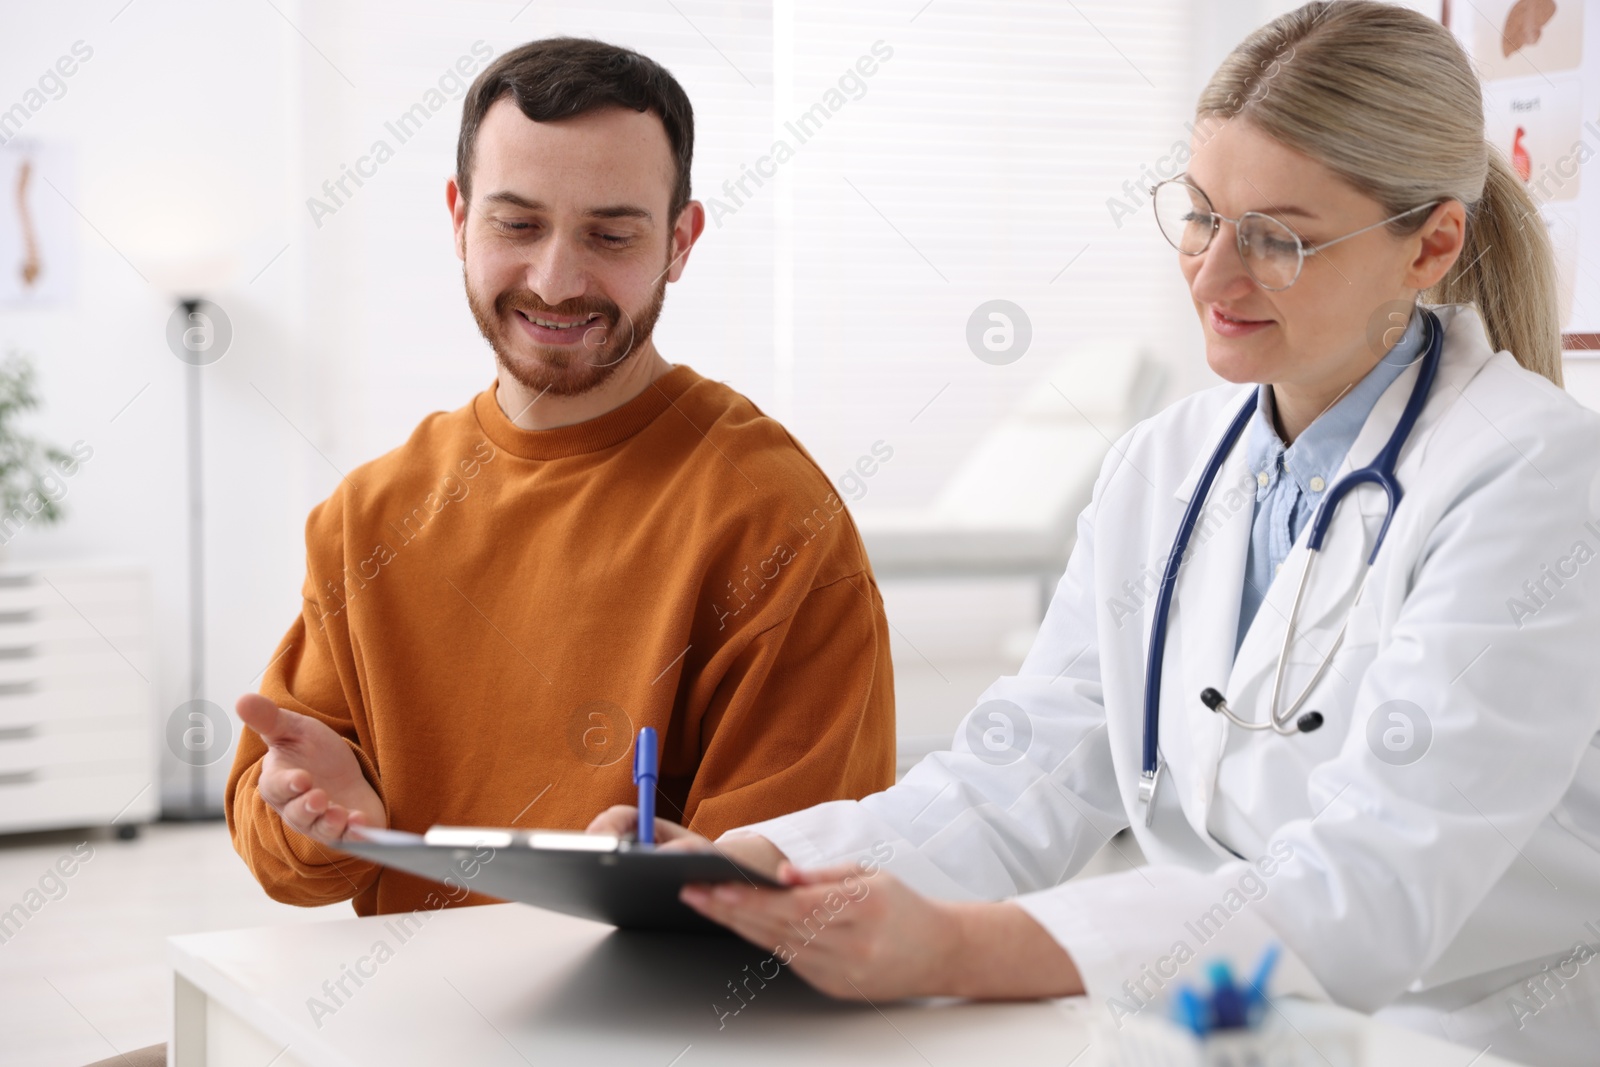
(610,341)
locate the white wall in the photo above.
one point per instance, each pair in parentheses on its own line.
(180,124)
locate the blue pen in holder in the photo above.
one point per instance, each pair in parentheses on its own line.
(1233,1026)
(1228,1007)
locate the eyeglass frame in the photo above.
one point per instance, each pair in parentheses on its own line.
(1305,250)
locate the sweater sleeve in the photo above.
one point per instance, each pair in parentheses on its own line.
(312,673)
(803,715)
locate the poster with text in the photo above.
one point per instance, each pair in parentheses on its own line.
(1540,64)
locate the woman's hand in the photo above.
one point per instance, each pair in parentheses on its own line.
(752,851)
(850,936)
(871,937)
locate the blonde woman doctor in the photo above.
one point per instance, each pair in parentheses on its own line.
(1412,810)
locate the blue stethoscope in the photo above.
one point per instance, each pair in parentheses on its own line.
(1381,472)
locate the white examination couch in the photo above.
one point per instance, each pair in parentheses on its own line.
(1011,508)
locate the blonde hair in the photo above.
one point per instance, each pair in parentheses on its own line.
(1386,99)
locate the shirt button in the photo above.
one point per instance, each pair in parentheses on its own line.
(1317,484)
(1262,479)
(1276,568)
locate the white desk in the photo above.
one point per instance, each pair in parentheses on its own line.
(508,984)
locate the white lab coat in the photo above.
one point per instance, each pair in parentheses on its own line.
(1432,890)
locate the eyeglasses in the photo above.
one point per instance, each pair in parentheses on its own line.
(1272,253)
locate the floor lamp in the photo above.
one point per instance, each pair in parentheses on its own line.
(198,338)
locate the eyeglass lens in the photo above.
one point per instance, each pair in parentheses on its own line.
(1270,250)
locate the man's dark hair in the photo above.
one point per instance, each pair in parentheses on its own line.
(559,77)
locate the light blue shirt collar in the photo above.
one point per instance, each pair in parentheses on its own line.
(1313,460)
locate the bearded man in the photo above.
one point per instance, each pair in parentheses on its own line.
(599,541)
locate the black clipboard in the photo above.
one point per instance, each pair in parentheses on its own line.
(593,876)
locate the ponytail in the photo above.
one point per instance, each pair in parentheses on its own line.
(1507,268)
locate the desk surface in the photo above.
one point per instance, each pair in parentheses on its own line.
(508,984)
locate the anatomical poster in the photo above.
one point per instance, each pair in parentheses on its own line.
(38,228)
(1540,64)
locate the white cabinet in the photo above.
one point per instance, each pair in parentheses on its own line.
(78,737)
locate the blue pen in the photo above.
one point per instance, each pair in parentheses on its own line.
(1257,997)
(644,776)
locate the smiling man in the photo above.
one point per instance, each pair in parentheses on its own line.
(598,542)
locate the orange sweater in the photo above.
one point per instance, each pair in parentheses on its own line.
(490,615)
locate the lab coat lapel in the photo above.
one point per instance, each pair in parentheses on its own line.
(1329,595)
(1205,608)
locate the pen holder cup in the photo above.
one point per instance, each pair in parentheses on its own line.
(1160,1043)
(1276,1044)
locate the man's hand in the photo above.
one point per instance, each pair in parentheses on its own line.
(751,850)
(309,775)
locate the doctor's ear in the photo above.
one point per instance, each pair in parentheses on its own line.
(1438,244)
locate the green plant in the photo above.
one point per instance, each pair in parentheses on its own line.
(27,466)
